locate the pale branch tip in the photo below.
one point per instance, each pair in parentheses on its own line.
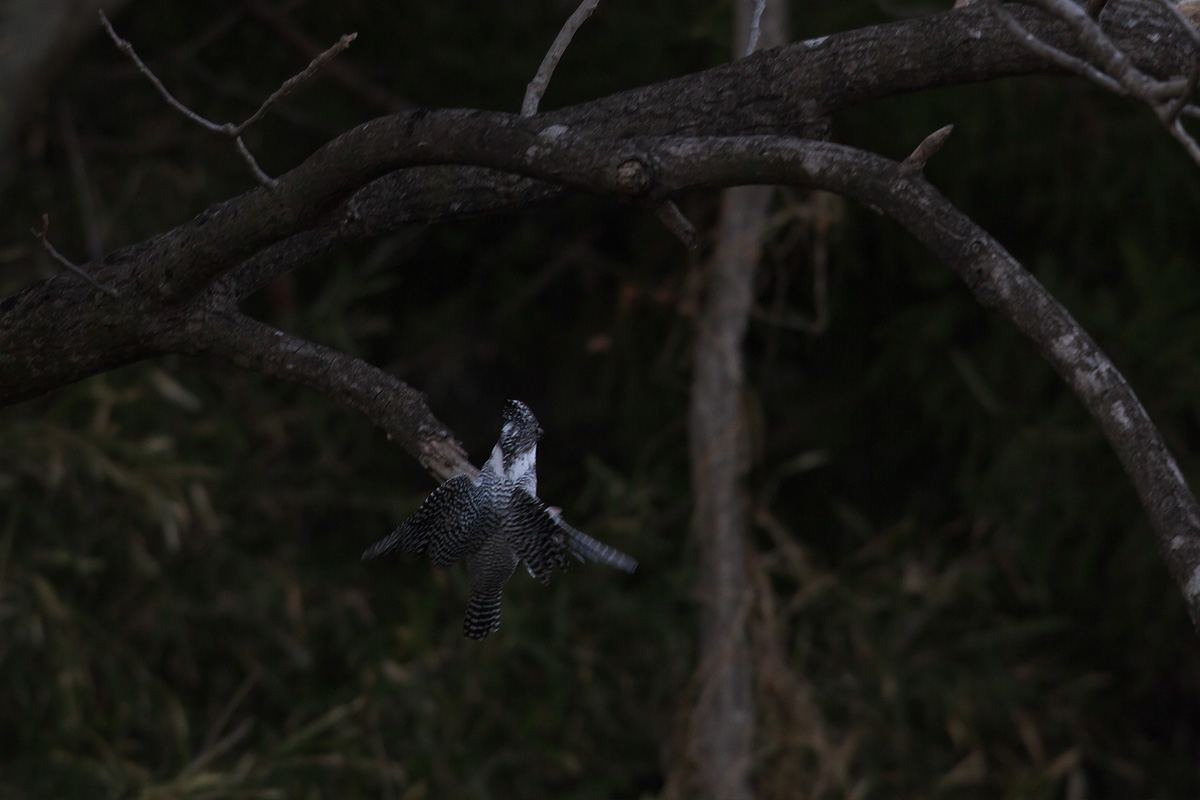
(43,237)
(291,83)
(755,26)
(916,160)
(537,86)
(1189,143)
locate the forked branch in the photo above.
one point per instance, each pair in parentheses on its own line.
(1107,66)
(228,128)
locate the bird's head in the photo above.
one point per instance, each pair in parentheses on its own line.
(520,433)
(522,419)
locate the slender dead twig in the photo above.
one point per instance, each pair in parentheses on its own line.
(1181,102)
(228,128)
(42,236)
(1051,53)
(755,26)
(537,86)
(343,72)
(291,83)
(670,216)
(1110,68)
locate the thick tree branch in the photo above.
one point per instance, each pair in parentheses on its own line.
(994,277)
(999,282)
(393,405)
(638,146)
(780,92)
(671,165)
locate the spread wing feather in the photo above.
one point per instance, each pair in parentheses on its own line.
(585,548)
(537,539)
(446,525)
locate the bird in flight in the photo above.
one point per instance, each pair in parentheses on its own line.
(495,522)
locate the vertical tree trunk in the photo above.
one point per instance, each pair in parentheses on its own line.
(721,727)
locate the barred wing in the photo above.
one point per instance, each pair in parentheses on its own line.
(446,525)
(535,535)
(542,539)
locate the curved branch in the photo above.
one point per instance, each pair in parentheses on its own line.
(998,281)
(387,401)
(669,164)
(63,329)
(787,90)
(995,278)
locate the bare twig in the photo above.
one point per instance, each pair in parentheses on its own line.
(1110,58)
(125,47)
(755,24)
(1095,7)
(228,128)
(669,214)
(537,86)
(1112,69)
(1176,108)
(291,83)
(1051,53)
(252,162)
(344,72)
(66,262)
(925,150)
(1189,143)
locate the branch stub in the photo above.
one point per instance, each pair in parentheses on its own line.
(632,177)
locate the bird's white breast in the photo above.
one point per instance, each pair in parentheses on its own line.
(523,471)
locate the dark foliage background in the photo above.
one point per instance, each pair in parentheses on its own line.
(958,594)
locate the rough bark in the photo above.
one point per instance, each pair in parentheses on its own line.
(732,125)
(344,192)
